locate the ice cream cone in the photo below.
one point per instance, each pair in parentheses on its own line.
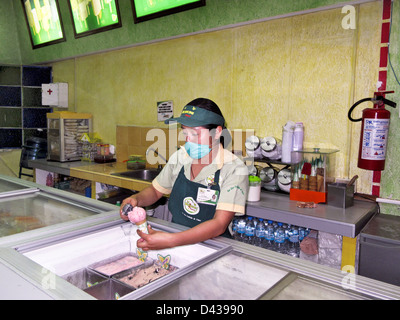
(142,226)
(295,184)
(312,183)
(304,184)
(138,217)
(320,182)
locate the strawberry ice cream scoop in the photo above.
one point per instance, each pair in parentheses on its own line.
(137,215)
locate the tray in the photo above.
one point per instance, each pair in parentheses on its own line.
(140,272)
(97,266)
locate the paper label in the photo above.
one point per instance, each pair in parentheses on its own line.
(374,139)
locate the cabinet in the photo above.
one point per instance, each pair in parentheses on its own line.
(65,130)
(380,249)
(22,114)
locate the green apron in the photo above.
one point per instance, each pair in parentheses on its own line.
(184,206)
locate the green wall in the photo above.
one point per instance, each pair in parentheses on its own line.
(9,42)
(217,13)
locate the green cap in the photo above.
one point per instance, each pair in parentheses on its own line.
(197,117)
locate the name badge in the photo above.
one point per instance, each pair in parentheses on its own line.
(207,196)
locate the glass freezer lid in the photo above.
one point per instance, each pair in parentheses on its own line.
(233,276)
(8,186)
(36,210)
(238,276)
(303,288)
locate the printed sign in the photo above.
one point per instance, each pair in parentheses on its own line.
(165,110)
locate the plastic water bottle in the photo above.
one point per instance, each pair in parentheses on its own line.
(259,235)
(250,231)
(303,232)
(286,228)
(255,221)
(294,244)
(280,241)
(269,236)
(241,228)
(234,227)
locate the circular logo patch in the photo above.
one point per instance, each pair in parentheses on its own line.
(190,206)
(210,179)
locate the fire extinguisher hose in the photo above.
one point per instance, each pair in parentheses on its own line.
(353,107)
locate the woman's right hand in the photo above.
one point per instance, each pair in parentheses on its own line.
(132,201)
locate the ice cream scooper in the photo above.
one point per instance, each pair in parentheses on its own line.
(126,209)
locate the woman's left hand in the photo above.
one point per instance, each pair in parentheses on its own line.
(154,240)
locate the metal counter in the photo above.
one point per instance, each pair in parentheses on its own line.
(346,222)
(216,269)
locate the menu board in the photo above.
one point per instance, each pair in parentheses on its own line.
(44,22)
(92,16)
(149,9)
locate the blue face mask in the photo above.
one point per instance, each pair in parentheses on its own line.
(197,151)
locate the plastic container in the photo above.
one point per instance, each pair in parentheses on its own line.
(271,148)
(136,162)
(284,179)
(298,137)
(269,179)
(253,149)
(287,141)
(254,188)
(314,171)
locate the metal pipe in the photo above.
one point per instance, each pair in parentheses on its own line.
(390,201)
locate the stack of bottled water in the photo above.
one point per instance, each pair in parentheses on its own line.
(277,236)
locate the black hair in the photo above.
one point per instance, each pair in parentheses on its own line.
(210,105)
(206,104)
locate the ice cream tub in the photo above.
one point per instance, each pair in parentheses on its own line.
(84,278)
(108,290)
(150,271)
(116,264)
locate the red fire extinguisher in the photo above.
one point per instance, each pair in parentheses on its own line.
(374,132)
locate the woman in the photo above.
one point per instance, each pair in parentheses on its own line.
(207,183)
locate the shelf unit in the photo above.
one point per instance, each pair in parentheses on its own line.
(22,114)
